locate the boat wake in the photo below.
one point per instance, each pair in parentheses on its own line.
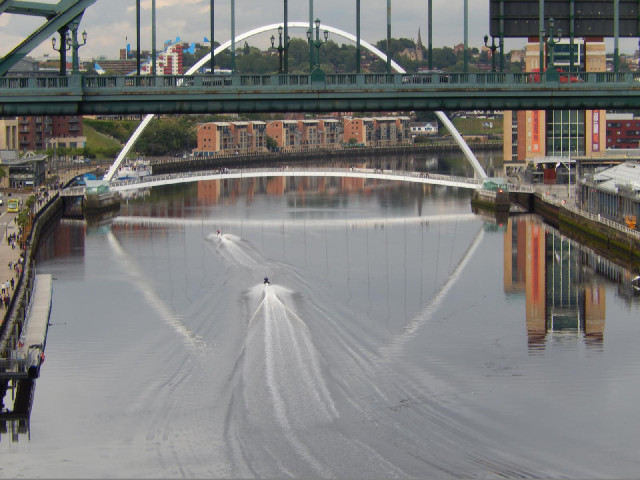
(192,341)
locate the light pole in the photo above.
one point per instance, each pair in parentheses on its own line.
(73,43)
(493,49)
(317,75)
(64,46)
(281,48)
(552,73)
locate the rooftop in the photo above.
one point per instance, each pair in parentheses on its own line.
(625,175)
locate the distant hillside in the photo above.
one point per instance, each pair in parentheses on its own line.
(100,144)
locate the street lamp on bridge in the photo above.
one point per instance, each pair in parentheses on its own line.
(552,73)
(281,48)
(317,75)
(493,49)
(64,46)
(75,45)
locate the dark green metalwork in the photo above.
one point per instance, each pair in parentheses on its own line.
(501,21)
(35,9)
(388,36)
(64,46)
(281,48)
(466,37)
(58,16)
(138,36)
(317,75)
(286,36)
(213,57)
(430,25)
(4,4)
(107,94)
(552,74)
(541,35)
(233,36)
(616,34)
(153,37)
(358,49)
(310,36)
(572,33)
(493,49)
(75,45)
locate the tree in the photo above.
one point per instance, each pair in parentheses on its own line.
(298,55)
(444,57)
(271,143)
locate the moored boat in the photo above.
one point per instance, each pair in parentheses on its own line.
(134,169)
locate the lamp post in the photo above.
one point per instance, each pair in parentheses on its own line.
(317,74)
(493,49)
(281,48)
(73,43)
(552,73)
(63,50)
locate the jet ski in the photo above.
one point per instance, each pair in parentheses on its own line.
(266,281)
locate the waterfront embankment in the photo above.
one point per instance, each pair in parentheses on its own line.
(175,165)
(556,205)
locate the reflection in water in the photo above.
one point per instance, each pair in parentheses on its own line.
(561,281)
(384,346)
(14,418)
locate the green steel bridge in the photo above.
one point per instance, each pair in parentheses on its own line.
(78,94)
(181,94)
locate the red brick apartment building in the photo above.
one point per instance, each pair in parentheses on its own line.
(623,130)
(43,132)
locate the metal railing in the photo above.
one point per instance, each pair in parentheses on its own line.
(578,81)
(250,172)
(604,221)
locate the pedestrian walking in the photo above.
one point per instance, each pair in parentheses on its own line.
(12,283)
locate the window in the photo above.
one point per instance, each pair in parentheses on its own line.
(565,132)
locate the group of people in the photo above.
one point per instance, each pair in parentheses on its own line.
(6,288)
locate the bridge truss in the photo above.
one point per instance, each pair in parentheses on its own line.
(57,17)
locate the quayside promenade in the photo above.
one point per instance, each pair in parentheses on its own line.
(557,205)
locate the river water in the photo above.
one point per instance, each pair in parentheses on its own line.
(401,336)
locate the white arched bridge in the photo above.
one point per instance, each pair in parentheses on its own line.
(244,173)
(303,25)
(353,172)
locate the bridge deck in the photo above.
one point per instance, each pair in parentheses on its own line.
(338,92)
(415,177)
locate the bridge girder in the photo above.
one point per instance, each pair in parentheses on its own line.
(57,16)
(78,100)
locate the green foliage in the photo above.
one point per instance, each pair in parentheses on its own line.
(271,143)
(22,218)
(166,136)
(100,145)
(30,202)
(119,129)
(256,62)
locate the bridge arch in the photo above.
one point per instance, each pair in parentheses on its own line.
(256,31)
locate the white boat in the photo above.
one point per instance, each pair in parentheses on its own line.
(134,169)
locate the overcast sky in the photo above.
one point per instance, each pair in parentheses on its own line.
(111,24)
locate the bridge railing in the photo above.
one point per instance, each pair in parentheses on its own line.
(34,82)
(400,174)
(101,83)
